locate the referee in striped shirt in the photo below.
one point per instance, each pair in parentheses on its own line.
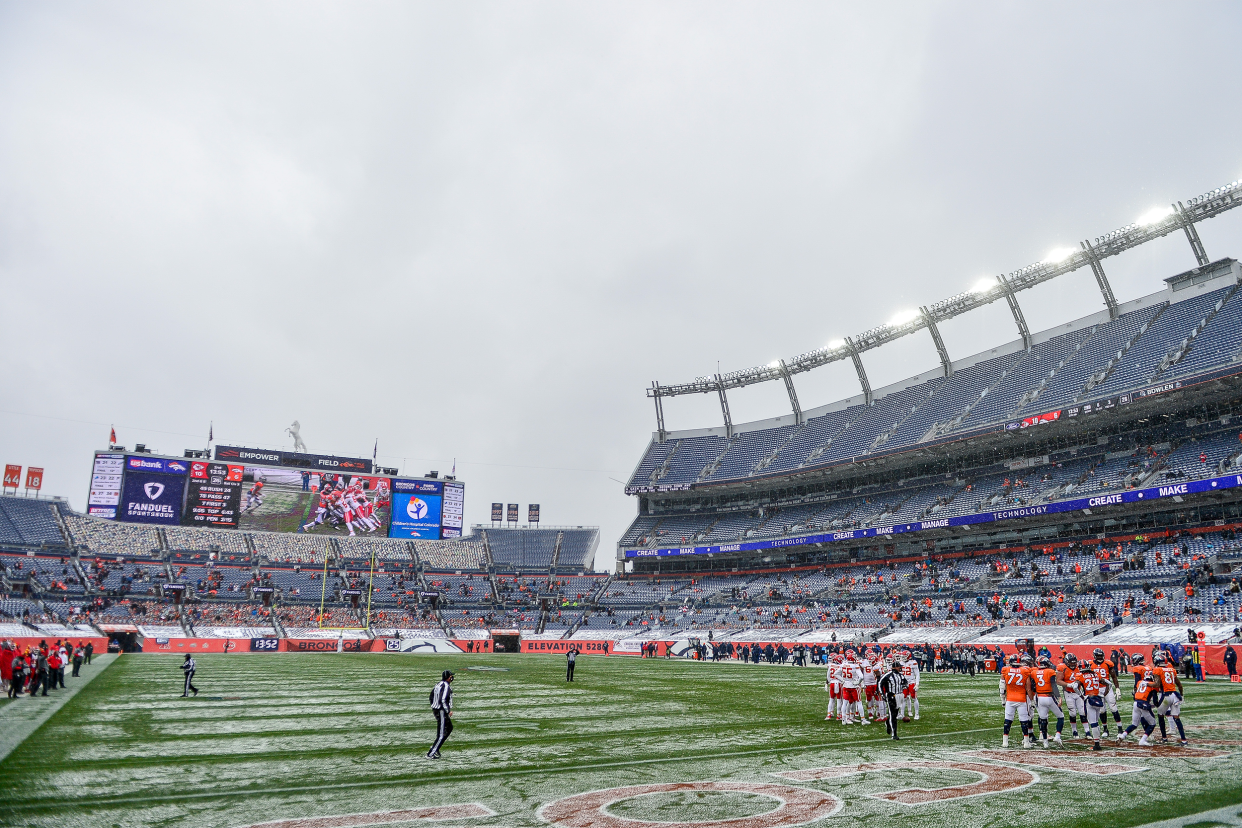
(442,709)
(188,667)
(892,684)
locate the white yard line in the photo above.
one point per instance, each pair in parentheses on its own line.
(24,715)
(1228,815)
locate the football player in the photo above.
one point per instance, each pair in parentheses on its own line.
(1107,671)
(254,497)
(1170,696)
(1015,687)
(870,678)
(1146,689)
(851,679)
(833,685)
(1074,703)
(1086,682)
(910,671)
(1046,680)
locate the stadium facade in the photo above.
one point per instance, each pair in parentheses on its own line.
(1121,421)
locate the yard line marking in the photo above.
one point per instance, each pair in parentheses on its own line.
(437,813)
(23,716)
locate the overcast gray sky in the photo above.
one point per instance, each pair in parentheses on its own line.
(479,230)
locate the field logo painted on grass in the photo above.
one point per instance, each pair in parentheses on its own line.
(994,779)
(797,806)
(468,810)
(1055,762)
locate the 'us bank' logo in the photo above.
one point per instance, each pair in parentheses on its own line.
(153,490)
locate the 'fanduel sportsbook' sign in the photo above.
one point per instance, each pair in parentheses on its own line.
(316,462)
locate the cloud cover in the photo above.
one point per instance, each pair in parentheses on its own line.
(478,231)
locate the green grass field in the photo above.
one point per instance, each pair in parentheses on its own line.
(296,736)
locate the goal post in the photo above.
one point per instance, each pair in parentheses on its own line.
(323,598)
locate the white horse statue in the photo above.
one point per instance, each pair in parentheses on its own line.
(295,431)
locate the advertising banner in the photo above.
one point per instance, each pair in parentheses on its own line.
(562,646)
(34,478)
(1078,504)
(512,513)
(152,498)
(532,513)
(328,645)
(415,515)
(156,464)
(12,476)
(498,512)
(317,462)
(191,645)
(214,495)
(430,645)
(428,487)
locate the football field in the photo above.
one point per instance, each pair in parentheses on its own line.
(291,739)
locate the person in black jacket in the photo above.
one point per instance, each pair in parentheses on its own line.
(892,685)
(1231,661)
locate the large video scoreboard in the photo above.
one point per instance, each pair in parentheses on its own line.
(262,490)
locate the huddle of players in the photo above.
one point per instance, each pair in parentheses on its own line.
(1090,692)
(345,504)
(853,680)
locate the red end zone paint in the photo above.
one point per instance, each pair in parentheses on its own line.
(995,779)
(469,810)
(798,806)
(1054,762)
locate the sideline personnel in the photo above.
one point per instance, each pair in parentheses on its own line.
(442,709)
(571,658)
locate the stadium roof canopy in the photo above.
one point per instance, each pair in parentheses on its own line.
(1153,225)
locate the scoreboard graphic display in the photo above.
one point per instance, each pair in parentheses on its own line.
(213,497)
(275,492)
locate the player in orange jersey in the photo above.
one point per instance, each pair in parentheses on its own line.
(1107,671)
(1015,687)
(1170,696)
(1087,682)
(1045,679)
(1146,691)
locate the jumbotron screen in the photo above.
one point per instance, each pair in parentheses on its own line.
(272,491)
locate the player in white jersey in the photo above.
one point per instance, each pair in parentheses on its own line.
(833,685)
(871,690)
(851,682)
(910,701)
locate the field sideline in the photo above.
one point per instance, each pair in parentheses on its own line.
(299,736)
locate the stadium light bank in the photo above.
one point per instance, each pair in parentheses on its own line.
(1154,224)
